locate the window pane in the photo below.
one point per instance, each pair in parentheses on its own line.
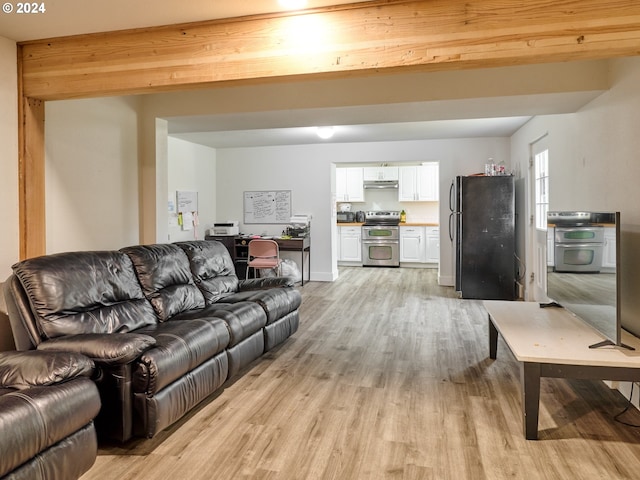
(541,168)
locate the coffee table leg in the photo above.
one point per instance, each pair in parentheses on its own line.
(493,340)
(530,379)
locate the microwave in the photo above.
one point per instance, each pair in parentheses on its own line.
(346,217)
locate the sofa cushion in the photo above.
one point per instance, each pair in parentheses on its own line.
(243,319)
(164,273)
(180,347)
(84,292)
(276,302)
(212,268)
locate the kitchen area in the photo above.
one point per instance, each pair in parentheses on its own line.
(388,215)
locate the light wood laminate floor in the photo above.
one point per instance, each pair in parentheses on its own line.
(388,377)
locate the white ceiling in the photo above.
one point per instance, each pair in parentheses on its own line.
(445,119)
(440,129)
(495,116)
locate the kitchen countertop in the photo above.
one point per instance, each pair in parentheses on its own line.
(419,224)
(405,224)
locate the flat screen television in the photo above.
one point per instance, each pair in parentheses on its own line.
(583,269)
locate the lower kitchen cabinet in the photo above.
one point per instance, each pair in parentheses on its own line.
(419,244)
(412,244)
(350,239)
(609,250)
(433,245)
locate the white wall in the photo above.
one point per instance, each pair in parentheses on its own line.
(306,170)
(9,238)
(594,164)
(91,174)
(192,168)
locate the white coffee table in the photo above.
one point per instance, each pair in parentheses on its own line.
(552,342)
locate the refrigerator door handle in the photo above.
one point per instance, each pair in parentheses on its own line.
(451,197)
(451,217)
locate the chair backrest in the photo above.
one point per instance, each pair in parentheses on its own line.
(262,248)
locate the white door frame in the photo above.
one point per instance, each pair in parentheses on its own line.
(536,251)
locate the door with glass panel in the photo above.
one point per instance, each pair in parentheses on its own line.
(539,188)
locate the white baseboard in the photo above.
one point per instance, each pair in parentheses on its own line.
(446,280)
(323,276)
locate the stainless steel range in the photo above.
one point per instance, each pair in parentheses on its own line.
(381,239)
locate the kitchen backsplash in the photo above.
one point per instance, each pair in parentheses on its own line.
(387,199)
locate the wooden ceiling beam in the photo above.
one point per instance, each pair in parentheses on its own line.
(353,39)
(357,39)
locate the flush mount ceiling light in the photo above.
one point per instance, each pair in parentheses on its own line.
(325,132)
(293,4)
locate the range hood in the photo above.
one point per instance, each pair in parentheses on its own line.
(381,184)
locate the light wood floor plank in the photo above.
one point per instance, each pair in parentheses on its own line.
(388,377)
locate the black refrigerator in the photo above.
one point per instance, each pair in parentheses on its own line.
(482,227)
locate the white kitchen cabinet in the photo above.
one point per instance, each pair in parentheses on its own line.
(433,245)
(406,184)
(412,244)
(372,174)
(418,183)
(350,244)
(349,184)
(609,250)
(428,182)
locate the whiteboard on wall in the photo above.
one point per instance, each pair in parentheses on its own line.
(267,206)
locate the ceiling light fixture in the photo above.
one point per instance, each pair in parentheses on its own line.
(292,4)
(325,133)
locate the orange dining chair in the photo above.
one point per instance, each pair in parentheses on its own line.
(263,254)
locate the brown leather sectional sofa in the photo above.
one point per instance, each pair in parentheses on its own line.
(47,406)
(166,325)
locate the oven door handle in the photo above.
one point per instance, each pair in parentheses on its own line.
(580,245)
(380,242)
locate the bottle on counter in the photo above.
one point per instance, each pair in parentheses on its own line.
(403,216)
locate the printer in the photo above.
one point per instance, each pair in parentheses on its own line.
(229,228)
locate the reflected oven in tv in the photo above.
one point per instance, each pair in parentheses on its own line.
(579,248)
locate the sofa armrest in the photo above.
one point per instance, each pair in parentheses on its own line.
(265,283)
(22,370)
(102,348)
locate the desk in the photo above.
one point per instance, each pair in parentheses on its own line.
(551,342)
(238,248)
(301,245)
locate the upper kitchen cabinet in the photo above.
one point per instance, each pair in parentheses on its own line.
(373,174)
(419,183)
(349,184)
